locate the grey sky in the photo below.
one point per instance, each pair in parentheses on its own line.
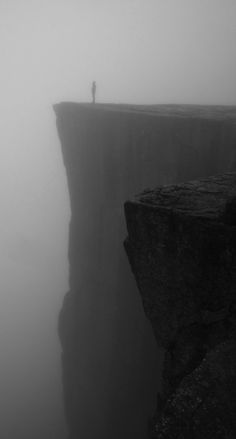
(137,50)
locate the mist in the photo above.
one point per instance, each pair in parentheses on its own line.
(138,52)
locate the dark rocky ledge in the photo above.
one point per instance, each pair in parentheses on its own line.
(182,249)
(111,364)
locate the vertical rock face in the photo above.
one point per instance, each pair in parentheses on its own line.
(111,365)
(182,249)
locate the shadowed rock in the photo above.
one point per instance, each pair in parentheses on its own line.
(111,364)
(182,249)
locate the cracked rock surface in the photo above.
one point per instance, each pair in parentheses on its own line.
(182,249)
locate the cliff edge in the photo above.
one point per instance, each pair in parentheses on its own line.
(111,363)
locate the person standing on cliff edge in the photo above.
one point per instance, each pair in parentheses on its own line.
(93,89)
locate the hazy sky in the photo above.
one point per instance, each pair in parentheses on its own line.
(138,51)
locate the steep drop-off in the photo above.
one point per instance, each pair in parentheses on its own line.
(182,249)
(110,361)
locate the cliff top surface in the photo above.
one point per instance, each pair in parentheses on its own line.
(214,112)
(211,198)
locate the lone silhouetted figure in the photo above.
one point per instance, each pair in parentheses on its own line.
(94,91)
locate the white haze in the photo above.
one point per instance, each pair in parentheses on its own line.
(138,51)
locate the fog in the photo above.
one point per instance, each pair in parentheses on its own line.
(138,51)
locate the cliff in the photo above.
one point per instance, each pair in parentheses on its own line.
(111,365)
(182,249)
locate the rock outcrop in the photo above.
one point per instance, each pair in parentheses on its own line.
(182,249)
(111,364)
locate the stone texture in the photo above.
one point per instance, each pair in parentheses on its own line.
(111,365)
(182,249)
